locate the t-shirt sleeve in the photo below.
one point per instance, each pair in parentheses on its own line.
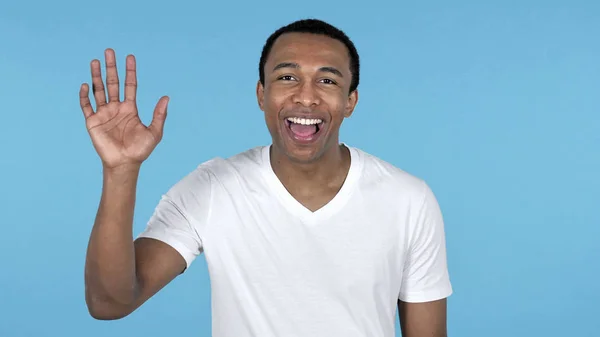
(182,214)
(425,275)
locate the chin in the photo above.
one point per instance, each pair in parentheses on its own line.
(303,155)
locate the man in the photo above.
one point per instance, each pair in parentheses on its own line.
(305,237)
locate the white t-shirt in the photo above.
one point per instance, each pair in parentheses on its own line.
(277,269)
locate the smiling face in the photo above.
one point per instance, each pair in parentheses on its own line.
(306,96)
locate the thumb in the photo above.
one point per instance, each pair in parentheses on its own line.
(158,118)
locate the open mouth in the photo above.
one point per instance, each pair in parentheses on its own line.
(304,129)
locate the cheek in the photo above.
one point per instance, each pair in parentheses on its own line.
(337,106)
(273,101)
(271,108)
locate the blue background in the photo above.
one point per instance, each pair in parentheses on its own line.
(495,104)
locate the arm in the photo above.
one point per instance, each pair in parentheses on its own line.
(422,304)
(427,319)
(121,274)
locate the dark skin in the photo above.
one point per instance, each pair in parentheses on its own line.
(426,319)
(305,74)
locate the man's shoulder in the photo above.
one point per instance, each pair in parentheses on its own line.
(242,161)
(224,168)
(383,174)
(220,171)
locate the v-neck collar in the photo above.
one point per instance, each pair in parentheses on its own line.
(298,209)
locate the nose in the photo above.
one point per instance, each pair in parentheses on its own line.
(306,95)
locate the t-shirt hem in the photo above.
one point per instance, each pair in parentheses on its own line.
(426,296)
(173,242)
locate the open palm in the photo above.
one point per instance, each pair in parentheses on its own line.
(118,134)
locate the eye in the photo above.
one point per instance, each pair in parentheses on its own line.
(286,78)
(328,81)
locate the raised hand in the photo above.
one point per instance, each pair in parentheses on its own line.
(118,134)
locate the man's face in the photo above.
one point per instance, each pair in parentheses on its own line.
(306,96)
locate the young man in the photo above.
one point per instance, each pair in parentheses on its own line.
(305,237)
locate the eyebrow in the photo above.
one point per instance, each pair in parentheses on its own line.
(293,65)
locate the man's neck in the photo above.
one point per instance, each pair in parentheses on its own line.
(327,172)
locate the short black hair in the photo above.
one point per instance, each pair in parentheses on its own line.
(319,27)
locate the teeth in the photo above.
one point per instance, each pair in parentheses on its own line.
(305,121)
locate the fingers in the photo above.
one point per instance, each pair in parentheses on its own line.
(159,117)
(84,100)
(112,76)
(97,84)
(130,79)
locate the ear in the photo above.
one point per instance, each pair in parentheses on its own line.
(260,94)
(351,103)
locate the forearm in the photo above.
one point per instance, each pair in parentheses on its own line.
(110,274)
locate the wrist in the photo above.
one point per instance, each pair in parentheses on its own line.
(121,172)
